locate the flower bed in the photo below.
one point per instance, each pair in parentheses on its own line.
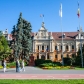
(58,67)
(1,67)
(12,66)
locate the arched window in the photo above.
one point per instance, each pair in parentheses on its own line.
(47,56)
(72,46)
(42,47)
(61,47)
(38,56)
(38,47)
(55,47)
(56,56)
(67,47)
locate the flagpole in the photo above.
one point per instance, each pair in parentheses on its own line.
(80,37)
(62,42)
(81,45)
(62,33)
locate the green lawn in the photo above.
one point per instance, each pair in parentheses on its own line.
(42,81)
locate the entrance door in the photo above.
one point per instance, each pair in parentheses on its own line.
(43,57)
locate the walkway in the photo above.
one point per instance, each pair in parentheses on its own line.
(37,73)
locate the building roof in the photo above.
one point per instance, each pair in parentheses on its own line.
(68,35)
(58,35)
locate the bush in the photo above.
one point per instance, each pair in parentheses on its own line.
(46,65)
(12,64)
(67,61)
(57,64)
(39,61)
(47,61)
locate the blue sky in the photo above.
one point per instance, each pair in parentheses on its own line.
(31,10)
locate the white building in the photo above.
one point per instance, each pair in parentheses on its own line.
(48,45)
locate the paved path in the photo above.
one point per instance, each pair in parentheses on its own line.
(41,76)
(37,73)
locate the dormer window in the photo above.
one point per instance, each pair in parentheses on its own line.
(64,35)
(41,34)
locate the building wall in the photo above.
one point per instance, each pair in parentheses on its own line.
(43,38)
(52,52)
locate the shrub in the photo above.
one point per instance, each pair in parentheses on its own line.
(38,62)
(57,64)
(12,64)
(67,61)
(47,61)
(46,65)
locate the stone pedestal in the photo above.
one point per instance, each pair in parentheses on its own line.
(31,61)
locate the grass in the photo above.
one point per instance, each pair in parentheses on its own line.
(81,81)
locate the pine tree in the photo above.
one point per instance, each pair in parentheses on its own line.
(19,28)
(22,38)
(27,41)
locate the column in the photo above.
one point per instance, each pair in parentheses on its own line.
(58,47)
(39,56)
(44,48)
(50,46)
(39,48)
(64,47)
(46,56)
(77,47)
(69,48)
(33,46)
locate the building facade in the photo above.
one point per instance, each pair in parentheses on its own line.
(48,45)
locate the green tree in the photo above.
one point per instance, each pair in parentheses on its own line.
(22,40)
(78,57)
(27,40)
(5,50)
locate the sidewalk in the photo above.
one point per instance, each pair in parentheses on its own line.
(37,73)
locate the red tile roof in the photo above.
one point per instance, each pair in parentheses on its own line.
(58,35)
(68,35)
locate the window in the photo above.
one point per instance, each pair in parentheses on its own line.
(55,47)
(61,56)
(55,56)
(42,47)
(63,35)
(72,46)
(82,45)
(67,56)
(67,47)
(38,56)
(38,47)
(73,55)
(47,47)
(47,56)
(61,47)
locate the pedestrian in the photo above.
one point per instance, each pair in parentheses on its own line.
(17,66)
(22,65)
(4,65)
